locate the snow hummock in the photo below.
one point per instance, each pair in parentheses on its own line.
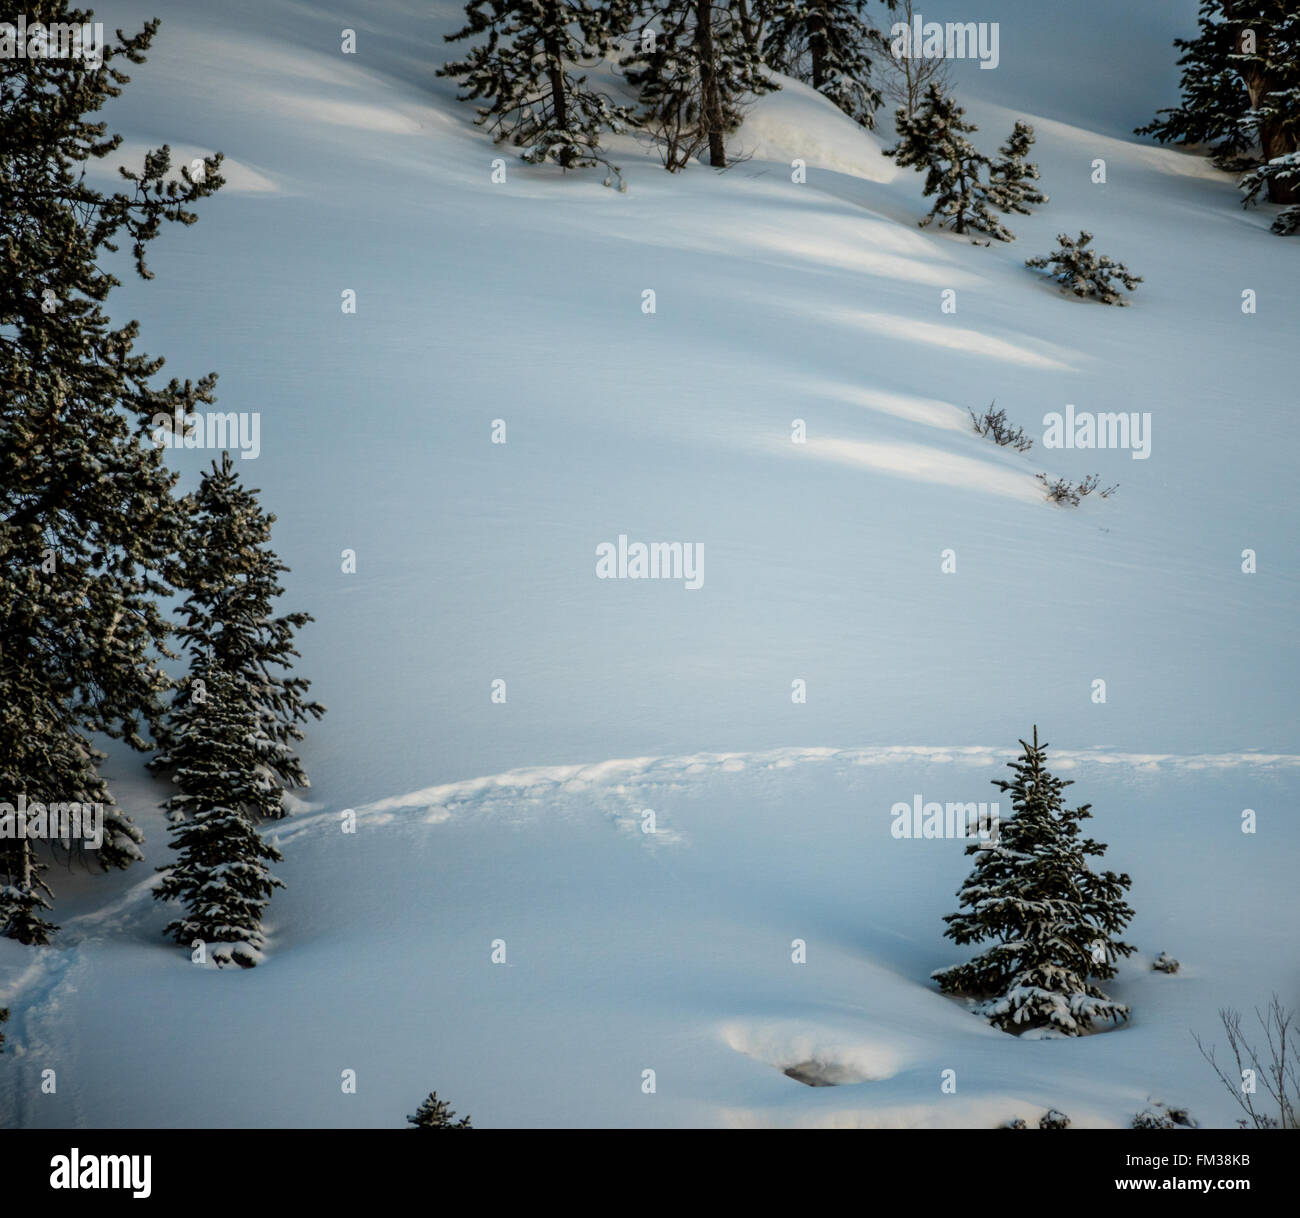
(798,123)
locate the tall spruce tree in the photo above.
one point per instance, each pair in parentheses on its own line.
(1241,90)
(231,576)
(1214,97)
(695,77)
(220,874)
(934,139)
(434,1113)
(87,515)
(831,45)
(1011,176)
(524,69)
(1052,919)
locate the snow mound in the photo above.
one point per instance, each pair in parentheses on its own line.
(797,122)
(815,1055)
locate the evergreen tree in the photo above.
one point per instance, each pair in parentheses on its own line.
(54,767)
(1010,179)
(1214,97)
(4,1018)
(694,80)
(1084,272)
(525,72)
(1052,919)
(231,576)
(23,899)
(435,1114)
(1271,71)
(220,873)
(829,44)
(933,139)
(87,515)
(1241,89)
(251,786)
(1281,176)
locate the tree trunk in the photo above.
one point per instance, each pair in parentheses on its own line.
(1279,145)
(1273,140)
(710,97)
(751,30)
(555,67)
(817,45)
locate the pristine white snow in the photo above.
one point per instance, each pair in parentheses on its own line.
(774,301)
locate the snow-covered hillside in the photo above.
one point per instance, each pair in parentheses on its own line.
(476,562)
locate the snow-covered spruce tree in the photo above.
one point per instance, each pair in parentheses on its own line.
(24,898)
(218,695)
(1084,272)
(831,45)
(220,873)
(54,764)
(525,71)
(1241,90)
(1011,177)
(1268,59)
(231,577)
(694,81)
(1053,921)
(1214,97)
(1284,174)
(434,1113)
(934,139)
(88,519)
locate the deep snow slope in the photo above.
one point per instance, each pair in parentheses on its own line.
(619,951)
(775,301)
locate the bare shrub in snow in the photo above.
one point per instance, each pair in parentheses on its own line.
(993,424)
(1277,1072)
(909,76)
(1062,490)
